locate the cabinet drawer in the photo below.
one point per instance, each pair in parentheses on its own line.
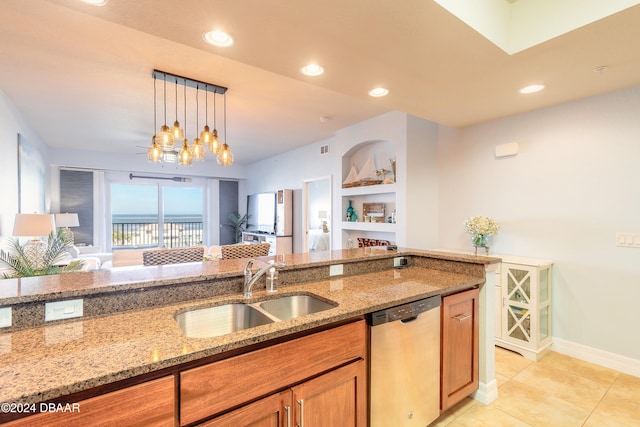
(213,388)
(148,404)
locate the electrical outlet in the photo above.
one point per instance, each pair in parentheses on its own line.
(5,317)
(336,270)
(628,240)
(400,262)
(63,310)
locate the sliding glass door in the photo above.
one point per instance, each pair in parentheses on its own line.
(156,215)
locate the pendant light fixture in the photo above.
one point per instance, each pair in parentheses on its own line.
(176,131)
(214,144)
(163,147)
(154,154)
(184,155)
(225,156)
(165,137)
(197,149)
(206,136)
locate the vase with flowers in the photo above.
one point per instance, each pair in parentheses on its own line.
(481,228)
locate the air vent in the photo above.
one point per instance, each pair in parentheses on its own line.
(324,149)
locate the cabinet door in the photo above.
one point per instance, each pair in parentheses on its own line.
(147,404)
(335,399)
(459,373)
(519,297)
(272,411)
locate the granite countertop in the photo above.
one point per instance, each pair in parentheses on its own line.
(47,362)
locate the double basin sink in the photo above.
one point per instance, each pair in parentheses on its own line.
(228,318)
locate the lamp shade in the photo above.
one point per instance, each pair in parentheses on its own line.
(34,224)
(67,220)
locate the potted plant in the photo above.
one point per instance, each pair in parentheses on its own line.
(16,263)
(238,224)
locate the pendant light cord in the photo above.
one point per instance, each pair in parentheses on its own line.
(165,101)
(215,92)
(185,110)
(176,99)
(225,117)
(206,106)
(154,104)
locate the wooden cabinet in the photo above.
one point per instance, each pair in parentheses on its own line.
(459,347)
(335,399)
(217,387)
(148,404)
(524,306)
(272,411)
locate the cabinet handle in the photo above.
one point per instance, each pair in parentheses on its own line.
(461,317)
(301,403)
(287,411)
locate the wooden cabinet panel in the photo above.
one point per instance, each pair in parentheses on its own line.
(148,404)
(213,388)
(459,372)
(272,411)
(336,399)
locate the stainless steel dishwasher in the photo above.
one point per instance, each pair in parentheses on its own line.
(405,364)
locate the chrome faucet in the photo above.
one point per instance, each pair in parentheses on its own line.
(250,278)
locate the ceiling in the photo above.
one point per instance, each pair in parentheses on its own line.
(81,75)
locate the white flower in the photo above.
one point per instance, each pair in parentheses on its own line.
(481,225)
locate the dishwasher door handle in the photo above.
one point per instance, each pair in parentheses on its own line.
(410,319)
(461,317)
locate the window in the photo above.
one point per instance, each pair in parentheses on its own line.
(156,215)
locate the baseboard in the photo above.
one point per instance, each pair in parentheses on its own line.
(486,393)
(618,362)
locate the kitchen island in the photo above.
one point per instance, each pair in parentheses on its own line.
(117,341)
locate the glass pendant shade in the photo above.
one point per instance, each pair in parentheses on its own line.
(176,131)
(225,156)
(184,156)
(155,152)
(214,144)
(197,150)
(206,136)
(165,138)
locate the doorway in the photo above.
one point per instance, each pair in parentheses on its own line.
(317,224)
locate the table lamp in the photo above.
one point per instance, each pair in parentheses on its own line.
(67,220)
(34,226)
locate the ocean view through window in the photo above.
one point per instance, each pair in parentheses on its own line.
(155,216)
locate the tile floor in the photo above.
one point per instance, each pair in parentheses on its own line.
(555,391)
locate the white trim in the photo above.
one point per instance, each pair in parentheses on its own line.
(486,393)
(618,362)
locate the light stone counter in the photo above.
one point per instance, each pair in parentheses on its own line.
(46,362)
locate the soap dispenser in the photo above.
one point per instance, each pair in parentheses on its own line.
(272,278)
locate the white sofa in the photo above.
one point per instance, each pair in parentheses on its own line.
(92,257)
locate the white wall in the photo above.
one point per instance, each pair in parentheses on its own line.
(12,123)
(574,184)
(288,171)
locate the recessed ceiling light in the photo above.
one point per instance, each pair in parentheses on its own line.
(312,70)
(532,89)
(218,38)
(96,2)
(601,69)
(378,92)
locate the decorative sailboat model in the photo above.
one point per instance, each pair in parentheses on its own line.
(366,176)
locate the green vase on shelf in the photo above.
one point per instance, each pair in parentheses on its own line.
(351,212)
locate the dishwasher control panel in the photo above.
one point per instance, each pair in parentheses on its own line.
(404,311)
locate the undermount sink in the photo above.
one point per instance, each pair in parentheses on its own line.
(228,318)
(285,308)
(220,320)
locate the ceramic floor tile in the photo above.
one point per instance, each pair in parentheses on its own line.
(563,384)
(501,379)
(538,408)
(578,367)
(596,420)
(486,416)
(455,411)
(622,401)
(509,363)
